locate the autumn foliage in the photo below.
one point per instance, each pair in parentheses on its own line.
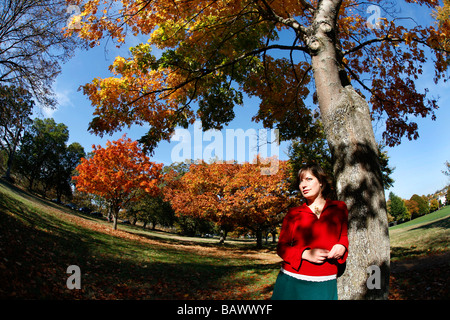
(309,62)
(117,173)
(234,196)
(206,45)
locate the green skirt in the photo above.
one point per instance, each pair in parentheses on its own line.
(290,288)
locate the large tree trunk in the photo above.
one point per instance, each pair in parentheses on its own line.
(348,128)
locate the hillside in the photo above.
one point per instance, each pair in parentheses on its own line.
(427,234)
(39,240)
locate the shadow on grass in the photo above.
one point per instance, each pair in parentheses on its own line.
(36,250)
(443,223)
(169,238)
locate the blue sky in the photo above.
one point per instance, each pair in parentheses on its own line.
(418,164)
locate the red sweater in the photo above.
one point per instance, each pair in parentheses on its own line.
(302,230)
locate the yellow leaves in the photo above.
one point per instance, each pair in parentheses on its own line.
(409,37)
(118,65)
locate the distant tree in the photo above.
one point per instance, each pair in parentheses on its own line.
(231,195)
(447,196)
(386,170)
(45,157)
(32,45)
(42,147)
(397,208)
(61,169)
(447,169)
(413,208)
(423,204)
(16,107)
(434,205)
(200,193)
(256,202)
(151,209)
(118,173)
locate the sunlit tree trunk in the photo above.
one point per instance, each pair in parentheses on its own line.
(348,128)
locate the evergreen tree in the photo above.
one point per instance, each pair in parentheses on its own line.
(397,208)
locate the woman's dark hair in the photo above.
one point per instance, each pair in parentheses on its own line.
(319,173)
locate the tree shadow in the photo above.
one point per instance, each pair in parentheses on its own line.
(36,251)
(360,184)
(443,223)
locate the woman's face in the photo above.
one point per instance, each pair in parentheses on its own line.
(310,186)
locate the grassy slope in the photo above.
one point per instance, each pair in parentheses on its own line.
(39,240)
(421,236)
(420,258)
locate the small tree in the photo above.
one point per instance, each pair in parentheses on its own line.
(434,205)
(117,173)
(423,204)
(150,209)
(257,201)
(397,208)
(61,169)
(413,208)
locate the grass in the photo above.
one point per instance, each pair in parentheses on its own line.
(40,239)
(420,258)
(429,234)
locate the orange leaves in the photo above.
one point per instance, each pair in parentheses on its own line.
(118,171)
(207,46)
(231,194)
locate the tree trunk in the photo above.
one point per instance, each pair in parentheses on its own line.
(9,166)
(223,235)
(259,237)
(348,128)
(115,214)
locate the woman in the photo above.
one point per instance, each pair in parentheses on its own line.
(313,241)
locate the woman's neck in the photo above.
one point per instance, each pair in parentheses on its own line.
(318,201)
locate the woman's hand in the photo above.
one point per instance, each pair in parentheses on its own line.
(316,255)
(336,252)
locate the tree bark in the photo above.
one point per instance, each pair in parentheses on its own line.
(259,238)
(348,128)
(115,214)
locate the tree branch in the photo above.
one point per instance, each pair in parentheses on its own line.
(205,71)
(371,41)
(272,15)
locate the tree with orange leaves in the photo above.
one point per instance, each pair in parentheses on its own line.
(232,195)
(117,173)
(199,193)
(338,63)
(255,201)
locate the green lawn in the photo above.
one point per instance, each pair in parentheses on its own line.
(428,234)
(39,240)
